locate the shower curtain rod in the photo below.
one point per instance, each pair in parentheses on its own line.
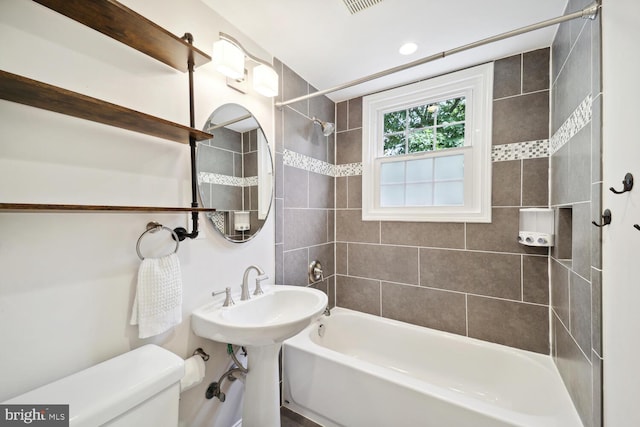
(589,12)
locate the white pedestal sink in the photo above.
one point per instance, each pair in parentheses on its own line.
(261,324)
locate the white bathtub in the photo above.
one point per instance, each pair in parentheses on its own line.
(367,371)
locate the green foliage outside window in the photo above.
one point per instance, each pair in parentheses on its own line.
(423,128)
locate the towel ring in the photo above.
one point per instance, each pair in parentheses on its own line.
(152,227)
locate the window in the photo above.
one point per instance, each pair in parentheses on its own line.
(426,150)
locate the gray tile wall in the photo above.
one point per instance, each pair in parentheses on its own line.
(576,192)
(250,169)
(469,279)
(304,200)
(221,155)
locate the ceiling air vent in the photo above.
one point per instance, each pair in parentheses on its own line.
(355,6)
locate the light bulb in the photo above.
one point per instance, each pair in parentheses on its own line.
(228,59)
(265,80)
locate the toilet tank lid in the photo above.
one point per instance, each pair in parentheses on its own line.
(108,389)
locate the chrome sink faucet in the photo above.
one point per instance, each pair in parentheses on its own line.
(245,282)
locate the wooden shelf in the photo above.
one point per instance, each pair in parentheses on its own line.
(32,207)
(120,23)
(123,24)
(41,95)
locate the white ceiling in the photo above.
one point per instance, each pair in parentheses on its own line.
(327,45)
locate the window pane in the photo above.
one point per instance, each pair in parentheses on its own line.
(420,170)
(392,195)
(451,110)
(419,195)
(420,117)
(392,173)
(449,167)
(448,193)
(416,124)
(421,140)
(395,122)
(450,136)
(394,145)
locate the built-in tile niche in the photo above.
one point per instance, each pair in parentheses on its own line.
(561,251)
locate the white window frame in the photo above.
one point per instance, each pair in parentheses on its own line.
(476,84)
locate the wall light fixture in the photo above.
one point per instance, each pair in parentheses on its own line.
(229,58)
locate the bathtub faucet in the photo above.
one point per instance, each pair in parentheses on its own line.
(245,282)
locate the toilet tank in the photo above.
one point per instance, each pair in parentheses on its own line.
(138,388)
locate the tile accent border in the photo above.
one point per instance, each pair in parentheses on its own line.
(499,153)
(217,218)
(232,181)
(349,169)
(520,150)
(580,117)
(300,161)
(309,164)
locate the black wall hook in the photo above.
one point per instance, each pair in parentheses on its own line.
(606,219)
(636,226)
(627,184)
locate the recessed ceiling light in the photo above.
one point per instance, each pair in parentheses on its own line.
(408,48)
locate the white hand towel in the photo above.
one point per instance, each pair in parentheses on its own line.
(157,306)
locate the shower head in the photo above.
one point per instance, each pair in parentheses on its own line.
(327,127)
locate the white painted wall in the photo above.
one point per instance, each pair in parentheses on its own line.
(67,280)
(621,242)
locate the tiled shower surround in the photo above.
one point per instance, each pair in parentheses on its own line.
(304,196)
(576,187)
(467,278)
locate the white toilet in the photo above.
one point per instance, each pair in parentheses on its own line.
(138,388)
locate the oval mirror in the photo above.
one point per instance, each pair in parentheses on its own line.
(235,173)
